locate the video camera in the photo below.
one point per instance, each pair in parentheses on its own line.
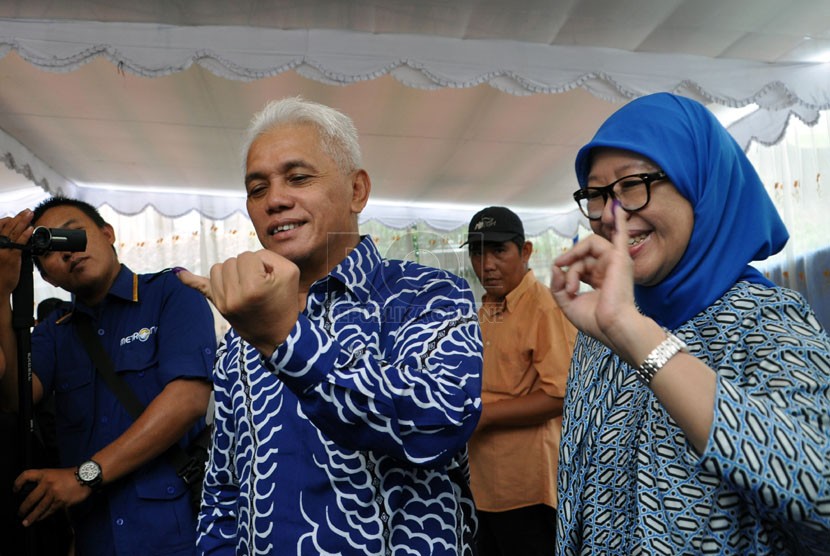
(44,240)
(57,239)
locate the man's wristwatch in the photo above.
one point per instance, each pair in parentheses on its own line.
(89,474)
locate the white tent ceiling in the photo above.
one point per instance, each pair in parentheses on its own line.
(460,102)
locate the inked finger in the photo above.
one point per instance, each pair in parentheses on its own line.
(620,227)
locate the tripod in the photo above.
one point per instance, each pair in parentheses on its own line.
(43,240)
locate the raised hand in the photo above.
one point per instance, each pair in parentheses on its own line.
(605,266)
(256,292)
(17,229)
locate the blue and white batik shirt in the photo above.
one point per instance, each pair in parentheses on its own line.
(351,438)
(631,483)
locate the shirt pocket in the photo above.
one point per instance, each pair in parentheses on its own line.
(162,507)
(159,481)
(74,400)
(135,364)
(136,356)
(512,374)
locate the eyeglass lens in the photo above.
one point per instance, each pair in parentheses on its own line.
(632,193)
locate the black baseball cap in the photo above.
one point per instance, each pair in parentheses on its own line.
(495,224)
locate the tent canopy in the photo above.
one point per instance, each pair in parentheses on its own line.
(459,103)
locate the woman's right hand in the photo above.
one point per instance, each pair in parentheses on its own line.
(607,311)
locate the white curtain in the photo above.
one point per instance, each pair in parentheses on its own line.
(796,173)
(150,241)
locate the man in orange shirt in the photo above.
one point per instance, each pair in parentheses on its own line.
(528,344)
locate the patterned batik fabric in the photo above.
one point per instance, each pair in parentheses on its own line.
(629,481)
(351,438)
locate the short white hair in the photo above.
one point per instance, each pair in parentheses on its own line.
(337,132)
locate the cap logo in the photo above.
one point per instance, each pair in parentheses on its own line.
(486,222)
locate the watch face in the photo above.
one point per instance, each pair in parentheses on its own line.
(89,471)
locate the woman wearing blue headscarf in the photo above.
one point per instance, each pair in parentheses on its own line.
(697,413)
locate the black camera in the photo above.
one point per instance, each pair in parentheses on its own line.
(44,240)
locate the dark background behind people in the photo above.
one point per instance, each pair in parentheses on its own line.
(53,535)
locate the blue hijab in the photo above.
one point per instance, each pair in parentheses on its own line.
(735,221)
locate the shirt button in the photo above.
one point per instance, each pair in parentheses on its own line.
(105,419)
(207,351)
(141,373)
(119,521)
(170,490)
(100,331)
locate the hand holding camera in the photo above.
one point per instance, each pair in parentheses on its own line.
(17,234)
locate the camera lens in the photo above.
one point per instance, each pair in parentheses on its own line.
(41,239)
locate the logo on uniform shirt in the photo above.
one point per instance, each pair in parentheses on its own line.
(141,336)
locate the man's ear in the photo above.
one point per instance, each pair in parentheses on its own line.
(527,251)
(109,233)
(361,187)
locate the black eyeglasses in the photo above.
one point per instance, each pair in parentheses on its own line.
(634,193)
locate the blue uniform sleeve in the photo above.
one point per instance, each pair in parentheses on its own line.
(217,523)
(187,341)
(416,396)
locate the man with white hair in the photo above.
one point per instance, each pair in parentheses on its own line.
(349,384)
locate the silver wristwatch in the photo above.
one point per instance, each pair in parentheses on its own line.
(89,474)
(667,349)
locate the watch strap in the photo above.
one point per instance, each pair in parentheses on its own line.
(659,356)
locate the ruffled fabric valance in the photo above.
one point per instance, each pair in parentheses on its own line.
(343,57)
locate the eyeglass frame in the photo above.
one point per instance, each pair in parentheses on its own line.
(608,191)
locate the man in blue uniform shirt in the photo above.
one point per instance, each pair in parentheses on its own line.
(120,486)
(349,384)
